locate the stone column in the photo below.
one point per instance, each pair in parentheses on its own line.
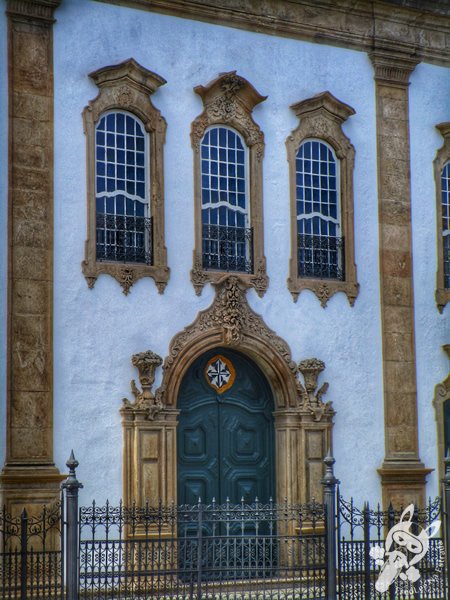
(402,473)
(29,476)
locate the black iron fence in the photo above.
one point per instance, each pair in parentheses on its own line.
(203,551)
(31,557)
(256,551)
(389,554)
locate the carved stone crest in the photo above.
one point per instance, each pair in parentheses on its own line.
(231,315)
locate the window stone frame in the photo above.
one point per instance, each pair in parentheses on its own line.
(127,86)
(442,157)
(321,118)
(229,100)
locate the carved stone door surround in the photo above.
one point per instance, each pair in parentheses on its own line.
(303,422)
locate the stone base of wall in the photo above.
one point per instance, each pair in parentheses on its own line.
(29,487)
(403,483)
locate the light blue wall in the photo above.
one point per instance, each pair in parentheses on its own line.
(96,331)
(3,222)
(429,106)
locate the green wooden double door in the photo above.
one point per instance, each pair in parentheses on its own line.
(225,435)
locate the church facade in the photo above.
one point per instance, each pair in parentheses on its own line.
(242,208)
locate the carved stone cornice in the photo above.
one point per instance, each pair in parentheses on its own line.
(374,23)
(392,68)
(320,103)
(41,10)
(131,73)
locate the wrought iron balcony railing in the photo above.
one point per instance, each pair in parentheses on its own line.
(320,256)
(227,248)
(124,238)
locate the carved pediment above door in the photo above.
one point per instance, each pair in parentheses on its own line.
(230,321)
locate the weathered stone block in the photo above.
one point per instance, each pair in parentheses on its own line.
(393,147)
(34,157)
(402,439)
(400,409)
(31,263)
(395,212)
(392,108)
(397,319)
(31,107)
(35,234)
(31,297)
(400,376)
(32,62)
(29,204)
(396,237)
(30,410)
(398,345)
(396,291)
(31,353)
(30,130)
(30,443)
(396,263)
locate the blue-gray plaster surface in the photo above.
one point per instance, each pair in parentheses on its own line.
(96,331)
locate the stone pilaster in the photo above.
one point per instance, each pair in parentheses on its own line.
(402,473)
(29,475)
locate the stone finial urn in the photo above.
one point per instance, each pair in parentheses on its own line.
(146,363)
(311,368)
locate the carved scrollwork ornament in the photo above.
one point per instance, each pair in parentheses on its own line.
(231,314)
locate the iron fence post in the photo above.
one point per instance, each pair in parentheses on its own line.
(446,482)
(199,549)
(329,483)
(391,523)
(71,486)
(366,528)
(23,554)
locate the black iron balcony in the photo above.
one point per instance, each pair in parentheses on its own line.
(124,238)
(227,248)
(320,256)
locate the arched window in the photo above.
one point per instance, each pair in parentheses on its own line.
(226,232)
(228,152)
(319,241)
(125,184)
(442,180)
(321,160)
(123,223)
(445,191)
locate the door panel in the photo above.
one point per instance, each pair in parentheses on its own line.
(225,435)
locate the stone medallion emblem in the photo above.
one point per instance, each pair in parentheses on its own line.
(220,373)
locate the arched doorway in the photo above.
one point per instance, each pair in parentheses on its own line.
(225,433)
